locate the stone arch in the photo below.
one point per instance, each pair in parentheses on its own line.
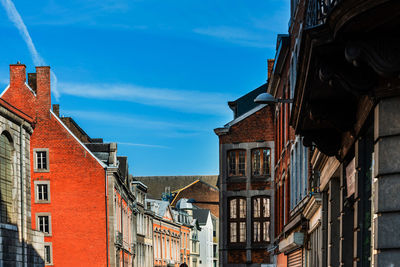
(7,181)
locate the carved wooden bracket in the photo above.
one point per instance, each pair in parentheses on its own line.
(381,54)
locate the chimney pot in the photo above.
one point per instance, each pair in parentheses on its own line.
(56,109)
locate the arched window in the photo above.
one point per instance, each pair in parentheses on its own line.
(6,179)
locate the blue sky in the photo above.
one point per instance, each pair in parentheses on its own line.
(154,76)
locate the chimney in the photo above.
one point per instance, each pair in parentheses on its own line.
(43,95)
(56,109)
(270,67)
(17,74)
(32,81)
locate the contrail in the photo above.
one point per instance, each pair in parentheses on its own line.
(15,17)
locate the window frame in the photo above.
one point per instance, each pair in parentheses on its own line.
(43,214)
(35,160)
(42,182)
(238,220)
(50,245)
(261,175)
(237,161)
(262,219)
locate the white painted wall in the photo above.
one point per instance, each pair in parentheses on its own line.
(206,244)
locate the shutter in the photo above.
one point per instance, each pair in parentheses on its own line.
(295,259)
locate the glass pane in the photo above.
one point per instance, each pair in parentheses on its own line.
(256,162)
(256,230)
(266,207)
(266,162)
(242,207)
(233,232)
(233,209)
(242,232)
(231,163)
(256,207)
(242,163)
(47,254)
(266,231)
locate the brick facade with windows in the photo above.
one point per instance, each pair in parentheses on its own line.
(247,147)
(80,211)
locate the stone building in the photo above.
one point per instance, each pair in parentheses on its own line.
(144,226)
(80,194)
(19,245)
(166,234)
(246,151)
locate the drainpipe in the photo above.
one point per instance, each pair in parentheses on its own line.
(105,198)
(21,164)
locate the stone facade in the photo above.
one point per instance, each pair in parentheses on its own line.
(19,244)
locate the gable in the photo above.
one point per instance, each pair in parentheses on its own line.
(22,97)
(168,215)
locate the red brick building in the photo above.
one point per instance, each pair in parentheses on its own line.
(79,195)
(247,152)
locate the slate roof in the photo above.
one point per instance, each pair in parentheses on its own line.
(246,102)
(201,215)
(156,184)
(162,206)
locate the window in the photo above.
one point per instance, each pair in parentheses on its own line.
(261,161)
(261,219)
(237,220)
(41,158)
(6,179)
(236,163)
(43,223)
(48,253)
(42,191)
(299,173)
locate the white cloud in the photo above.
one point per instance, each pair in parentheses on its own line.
(236,35)
(142,145)
(16,18)
(181,100)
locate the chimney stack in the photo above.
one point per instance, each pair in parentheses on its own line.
(32,81)
(17,74)
(43,95)
(270,67)
(56,109)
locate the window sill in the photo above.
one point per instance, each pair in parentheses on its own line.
(41,170)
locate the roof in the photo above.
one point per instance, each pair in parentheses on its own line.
(201,215)
(157,184)
(225,129)
(162,206)
(16,111)
(246,102)
(177,192)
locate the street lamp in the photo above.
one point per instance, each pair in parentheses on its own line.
(266,98)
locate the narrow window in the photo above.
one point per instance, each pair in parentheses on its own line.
(261,219)
(41,159)
(43,223)
(237,220)
(48,253)
(6,179)
(261,162)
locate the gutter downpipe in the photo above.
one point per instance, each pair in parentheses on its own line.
(106,198)
(21,164)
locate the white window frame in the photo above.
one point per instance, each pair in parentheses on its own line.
(36,184)
(48,214)
(35,160)
(51,253)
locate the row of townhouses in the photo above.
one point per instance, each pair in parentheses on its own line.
(309,174)
(68,199)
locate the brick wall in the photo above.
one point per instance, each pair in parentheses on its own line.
(77,180)
(258,126)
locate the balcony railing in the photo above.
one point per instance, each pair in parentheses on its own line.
(318,11)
